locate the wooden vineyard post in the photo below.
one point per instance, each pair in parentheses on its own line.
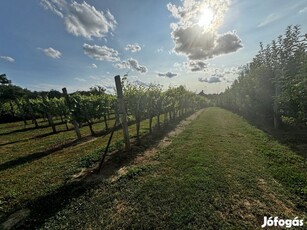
(122,111)
(74,122)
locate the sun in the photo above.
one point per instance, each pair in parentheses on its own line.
(206,17)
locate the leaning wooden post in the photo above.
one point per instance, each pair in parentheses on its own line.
(122,111)
(74,122)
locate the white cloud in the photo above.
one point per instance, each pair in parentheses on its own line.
(160,50)
(101,53)
(195,66)
(82,19)
(212,79)
(218,74)
(179,66)
(7,58)
(109,86)
(95,77)
(93,66)
(268,20)
(133,47)
(168,74)
(54,6)
(140,83)
(80,79)
(195,41)
(197,45)
(50,52)
(131,64)
(191,11)
(232,70)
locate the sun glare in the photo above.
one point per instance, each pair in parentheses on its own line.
(206,17)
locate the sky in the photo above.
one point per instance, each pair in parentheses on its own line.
(201,44)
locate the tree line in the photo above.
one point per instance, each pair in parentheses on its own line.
(273,86)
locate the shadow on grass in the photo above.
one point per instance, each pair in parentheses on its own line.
(45,126)
(30,129)
(24,130)
(47,206)
(98,133)
(41,154)
(35,137)
(38,155)
(19,125)
(14,142)
(294,138)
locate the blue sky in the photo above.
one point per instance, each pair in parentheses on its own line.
(50,44)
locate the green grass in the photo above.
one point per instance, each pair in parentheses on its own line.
(21,144)
(28,181)
(220,173)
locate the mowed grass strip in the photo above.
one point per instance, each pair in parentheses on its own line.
(219,173)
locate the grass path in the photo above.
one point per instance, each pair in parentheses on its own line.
(219,173)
